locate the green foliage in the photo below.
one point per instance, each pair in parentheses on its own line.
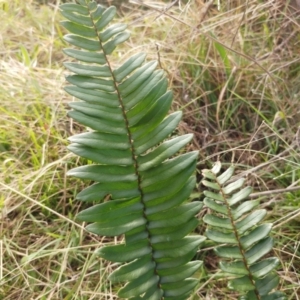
(134,162)
(141,187)
(243,240)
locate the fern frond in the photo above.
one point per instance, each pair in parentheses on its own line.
(235,224)
(134,163)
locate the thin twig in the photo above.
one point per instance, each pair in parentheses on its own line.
(158,55)
(270,161)
(204,10)
(271,192)
(243,17)
(167,8)
(209,36)
(38,203)
(290,216)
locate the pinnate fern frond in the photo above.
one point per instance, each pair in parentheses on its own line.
(234,223)
(134,160)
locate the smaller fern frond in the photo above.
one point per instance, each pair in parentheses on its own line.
(234,223)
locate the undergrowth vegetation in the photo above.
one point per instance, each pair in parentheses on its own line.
(234,70)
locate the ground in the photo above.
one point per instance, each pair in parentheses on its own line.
(234,70)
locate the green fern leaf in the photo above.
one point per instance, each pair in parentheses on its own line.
(235,225)
(134,159)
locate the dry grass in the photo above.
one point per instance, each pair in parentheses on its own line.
(235,74)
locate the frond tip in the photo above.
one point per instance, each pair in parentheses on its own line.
(235,224)
(134,159)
